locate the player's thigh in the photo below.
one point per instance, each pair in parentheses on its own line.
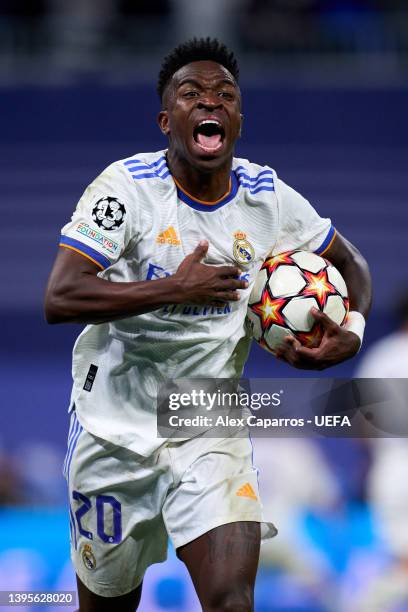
(90,602)
(223,563)
(214,519)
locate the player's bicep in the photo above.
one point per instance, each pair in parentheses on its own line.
(339,251)
(69,263)
(69,271)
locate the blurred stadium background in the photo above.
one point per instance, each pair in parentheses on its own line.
(325,87)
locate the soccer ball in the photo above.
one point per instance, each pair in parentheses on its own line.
(286,288)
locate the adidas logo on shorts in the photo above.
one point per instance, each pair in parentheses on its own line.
(247,491)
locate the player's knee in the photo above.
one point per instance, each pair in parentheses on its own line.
(231,600)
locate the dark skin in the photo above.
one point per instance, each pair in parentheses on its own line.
(75,294)
(222,562)
(90,602)
(201,90)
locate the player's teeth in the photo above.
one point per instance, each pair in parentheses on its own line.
(209,121)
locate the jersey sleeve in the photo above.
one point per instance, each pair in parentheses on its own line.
(300,226)
(104,221)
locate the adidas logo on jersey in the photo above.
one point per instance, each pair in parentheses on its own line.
(247,491)
(169,236)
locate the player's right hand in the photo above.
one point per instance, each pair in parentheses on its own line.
(204,284)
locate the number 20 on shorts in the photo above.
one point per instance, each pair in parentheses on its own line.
(102,502)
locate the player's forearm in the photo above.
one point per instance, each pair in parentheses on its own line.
(358,281)
(96,300)
(75,294)
(356,273)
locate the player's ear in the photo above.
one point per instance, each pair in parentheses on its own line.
(163,121)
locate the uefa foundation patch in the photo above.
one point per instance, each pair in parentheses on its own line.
(96,236)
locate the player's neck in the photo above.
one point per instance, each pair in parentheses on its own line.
(203,185)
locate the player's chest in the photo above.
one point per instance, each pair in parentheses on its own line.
(172,232)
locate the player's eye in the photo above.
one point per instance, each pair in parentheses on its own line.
(190,94)
(227,95)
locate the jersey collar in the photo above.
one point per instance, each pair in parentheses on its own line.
(204,206)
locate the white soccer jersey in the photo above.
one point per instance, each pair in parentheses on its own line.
(138,224)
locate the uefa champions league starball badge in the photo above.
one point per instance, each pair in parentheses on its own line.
(88,557)
(108,213)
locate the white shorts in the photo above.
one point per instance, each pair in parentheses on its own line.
(123,506)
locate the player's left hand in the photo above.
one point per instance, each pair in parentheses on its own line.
(337,345)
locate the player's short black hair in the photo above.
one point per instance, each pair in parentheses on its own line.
(196,50)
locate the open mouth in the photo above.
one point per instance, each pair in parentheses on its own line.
(209,135)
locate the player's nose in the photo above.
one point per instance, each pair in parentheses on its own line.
(210,102)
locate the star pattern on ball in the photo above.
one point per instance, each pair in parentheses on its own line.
(269,310)
(285,292)
(272,263)
(318,286)
(312,338)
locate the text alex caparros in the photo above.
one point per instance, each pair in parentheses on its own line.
(220,400)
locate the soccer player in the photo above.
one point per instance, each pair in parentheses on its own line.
(159,260)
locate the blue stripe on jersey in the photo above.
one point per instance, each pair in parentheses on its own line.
(147,175)
(129,162)
(160,171)
(141,166)
(78,431)
(254,179)
(327,241)
(75,427)
(72,428)
(86,250)
(73,526)
(75,432)
(210,207)
(261,188)
(261,182)
(70,436)
(145,170)
(246,183)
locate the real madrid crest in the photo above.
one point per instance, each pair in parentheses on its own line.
(242,250)
(88,557)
